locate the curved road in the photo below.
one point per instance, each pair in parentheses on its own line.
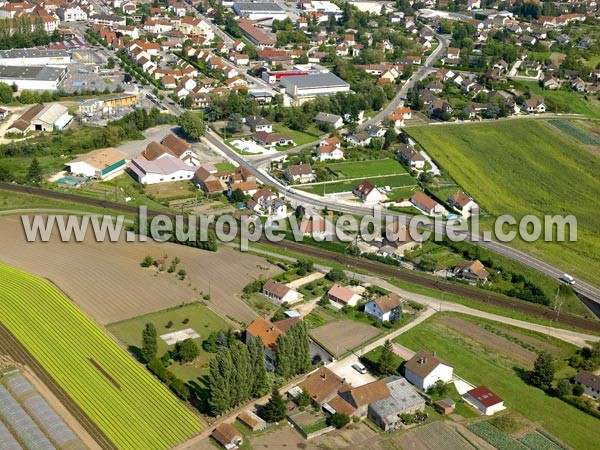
(302,198)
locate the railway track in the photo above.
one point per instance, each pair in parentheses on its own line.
(10,345)
(376,268)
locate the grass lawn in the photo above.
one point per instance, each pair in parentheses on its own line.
(122,398)
(525,168)
(473,361)
(347,186)
(372,358)
(573,100)
(374,168)
(223,166)
(311,134)
(201,319)
(401,193)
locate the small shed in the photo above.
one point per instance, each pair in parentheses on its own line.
(252,421)
(445,406)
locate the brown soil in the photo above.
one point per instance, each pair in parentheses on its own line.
(489,339)
(343,335)
(107,282)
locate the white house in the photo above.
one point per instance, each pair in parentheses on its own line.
(99,164)
(387,308)
(367,192)
(484,400)
(426,204)
(464,203)
(162,170)
(330,119)
(299,173)
(425,369)
(280,293)
(330,149)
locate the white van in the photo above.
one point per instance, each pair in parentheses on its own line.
(359,368)
(568,279)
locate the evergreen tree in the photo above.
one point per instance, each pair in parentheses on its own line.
(219,381)
(385,364)
(149,344)
(241,378)
(34,174)
(304,398)
(543,370)
(283,363)
(259,371)
(274,410)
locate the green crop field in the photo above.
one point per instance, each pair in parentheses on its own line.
(132,408)
(347,186)
(371,168)
(574,101)
(525,167)
(575,131)
(497,369)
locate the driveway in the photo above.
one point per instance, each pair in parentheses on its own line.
(344,369)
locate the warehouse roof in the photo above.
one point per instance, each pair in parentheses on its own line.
(33,53)
(258,7)
(315,80)
(40,73)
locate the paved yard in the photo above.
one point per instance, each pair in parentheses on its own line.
(344,369)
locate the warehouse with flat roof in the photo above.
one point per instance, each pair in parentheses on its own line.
(259,10)
(306,87)
(33,78)
(34,57)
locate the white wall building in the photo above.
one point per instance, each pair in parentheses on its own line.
(162,170)
(425,369)
(99,164)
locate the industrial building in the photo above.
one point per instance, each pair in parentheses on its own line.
(33,78)
(98,164)
(34,57)
(306,87)
(258,11)
(108,106)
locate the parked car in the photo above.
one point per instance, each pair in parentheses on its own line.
(359,368)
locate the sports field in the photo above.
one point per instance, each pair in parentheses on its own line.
(347,186)
(525,167)
(371,168)
(131,407)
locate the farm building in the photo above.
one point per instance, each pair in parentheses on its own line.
(484,400)
(252,421)
(42,118)
(425,369)
(280,293)
(361,397)
(403,399)
(387,308)
(343,295)
(322,385)
(227,436)
(98,164)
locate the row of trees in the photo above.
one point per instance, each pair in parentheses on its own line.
(18,33)
(293,351)
(236,374)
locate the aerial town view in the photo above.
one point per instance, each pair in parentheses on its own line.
(299,224)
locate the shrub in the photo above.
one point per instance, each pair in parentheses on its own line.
(338,420)
(180,389)
(148,261)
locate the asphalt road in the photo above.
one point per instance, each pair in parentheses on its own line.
(301,198)
(421,73)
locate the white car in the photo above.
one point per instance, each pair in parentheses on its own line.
(359,368)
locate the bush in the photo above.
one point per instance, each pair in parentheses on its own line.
(578,390)
(336,275)
(338,420)
(180,389)
(253,287)
(148,261)
(186,351)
